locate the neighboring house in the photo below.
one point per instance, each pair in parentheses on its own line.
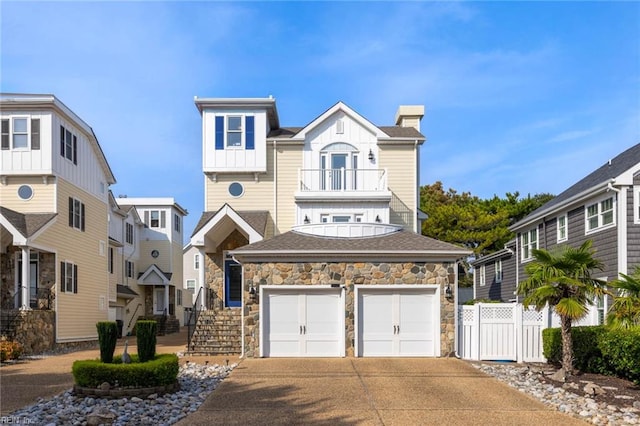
(495,275)
(153,264)
(603,207)
(191,262)
(54,192)
(308,244)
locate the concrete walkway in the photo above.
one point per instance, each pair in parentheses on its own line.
(366,391)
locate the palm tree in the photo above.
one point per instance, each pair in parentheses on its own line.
(562,279)
(625,311)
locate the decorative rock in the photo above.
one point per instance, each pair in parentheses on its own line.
(104,386)
(100,416)
(559,376)
(592,389)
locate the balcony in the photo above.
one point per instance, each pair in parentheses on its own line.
(342,184)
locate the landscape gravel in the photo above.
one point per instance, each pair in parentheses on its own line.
(571,402)
(197,381)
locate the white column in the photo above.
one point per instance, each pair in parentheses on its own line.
(201,279)
(26,279)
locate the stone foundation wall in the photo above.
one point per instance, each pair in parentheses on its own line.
(36,331)
(348,275)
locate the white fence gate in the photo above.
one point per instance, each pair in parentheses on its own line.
(501,332)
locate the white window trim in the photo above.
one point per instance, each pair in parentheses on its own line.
(186,284)
(196,261)
(498,270)
(482,278)
(598,201)
(636,204)
(353,217)
(242,130)
(12,133)
(528,232)
(566,228)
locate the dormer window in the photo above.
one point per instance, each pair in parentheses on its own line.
(234,132)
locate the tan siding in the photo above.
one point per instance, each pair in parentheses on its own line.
(163,261)
(43,200)
(400,162)
(257,195)
(79,313)
(289,161)
(113,277)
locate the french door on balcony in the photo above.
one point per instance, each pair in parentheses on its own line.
(338,176)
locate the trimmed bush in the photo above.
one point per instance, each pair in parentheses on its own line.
(107,338)
(586,353)
(146,339)
(621,353)
(10,350)
(162,370)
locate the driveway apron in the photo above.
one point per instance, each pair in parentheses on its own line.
(368,391)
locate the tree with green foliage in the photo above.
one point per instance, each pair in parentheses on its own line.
(562,278)
(464,219)
(625,311)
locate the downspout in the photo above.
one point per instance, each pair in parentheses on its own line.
(275,189)
(517,268)
(417,193)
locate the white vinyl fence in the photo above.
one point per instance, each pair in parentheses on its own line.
(501,332)
(508,331)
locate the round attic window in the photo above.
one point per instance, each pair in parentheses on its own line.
(25,192)
(236,189)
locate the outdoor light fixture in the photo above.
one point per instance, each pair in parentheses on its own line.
(378,220)
(306,219)
(448,293)
(252,292)
(371,157)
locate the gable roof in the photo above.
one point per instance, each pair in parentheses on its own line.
(27,225)
(164,276)
(401,244)
(257,219)
(598,180)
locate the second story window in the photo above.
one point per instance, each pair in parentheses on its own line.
(130,269)
(129,233)
(20,133)
(76,214)
(196,261)
(111,260)
(482,280)
(176,222)
(600,214)
(234,131)
(529,242)
(68,145)
(562,227)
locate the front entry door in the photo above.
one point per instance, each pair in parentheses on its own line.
(160,302)
(232,284)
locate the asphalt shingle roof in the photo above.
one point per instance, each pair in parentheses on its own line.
(601,175)
(27,223)
(395,242)
(257,219)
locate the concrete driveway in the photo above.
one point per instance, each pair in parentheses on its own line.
(368,391)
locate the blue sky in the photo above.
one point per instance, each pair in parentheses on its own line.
(519,96)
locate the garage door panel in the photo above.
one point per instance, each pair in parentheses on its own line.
(397,322)
(305,322)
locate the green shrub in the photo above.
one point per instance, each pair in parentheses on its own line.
(146,339)
(621,353)
(474,301)
(162,370)
(10,350)
(107,338)
(586,353)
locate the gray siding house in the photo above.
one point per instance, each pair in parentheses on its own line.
(603,207)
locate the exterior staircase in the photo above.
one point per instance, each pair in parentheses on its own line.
(217,333)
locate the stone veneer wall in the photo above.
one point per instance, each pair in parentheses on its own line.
(36,331)
(349,275)
(8,271)
(214,264)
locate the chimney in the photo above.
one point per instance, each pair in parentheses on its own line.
(409,116)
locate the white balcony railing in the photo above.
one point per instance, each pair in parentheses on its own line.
(342,180)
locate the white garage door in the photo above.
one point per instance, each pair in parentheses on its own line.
(303,322)
(397,322)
